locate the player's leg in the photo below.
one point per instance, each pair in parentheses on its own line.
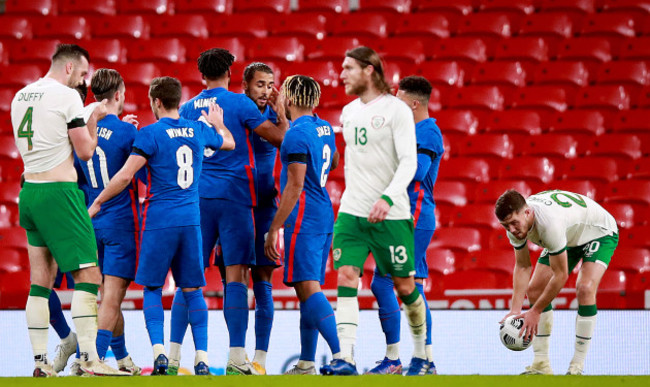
(597,255)
(68,345)
(113,292)
(187,269)
(389,316)
(421,242)
(118,345)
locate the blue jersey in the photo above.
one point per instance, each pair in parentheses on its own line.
(229,175)
(430,150)
(114,142)
(309,141)
(174,152)
(265,154)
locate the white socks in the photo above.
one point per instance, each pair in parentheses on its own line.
(347,320)
(237,355)
(175,352)
(584,331)
(542,339)
(416,314)
(158,349)
(84,315)
(260,357)
(37,312)
(392,351)
(201,356)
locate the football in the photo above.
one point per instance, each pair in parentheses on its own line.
(509,334)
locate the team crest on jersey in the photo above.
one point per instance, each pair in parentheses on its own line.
(377,122)
(336,254)
(208,152)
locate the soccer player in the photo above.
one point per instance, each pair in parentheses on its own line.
(48,123)
(117,226)
(307,153)
(259,86)
(415,91)
(172,150)
(228,195)
(570,227)
(375,215)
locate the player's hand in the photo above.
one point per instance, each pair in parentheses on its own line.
(94,209)
(379,211)
(531,320)
(101,110)
(276,101)
(214,116)
(131,119)
(270,245)
(511,313)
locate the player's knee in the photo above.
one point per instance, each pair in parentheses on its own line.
(348,276)
(404,288)
(90,275)
(585,291)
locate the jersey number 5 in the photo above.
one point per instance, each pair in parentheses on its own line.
(27,133)
(184,160)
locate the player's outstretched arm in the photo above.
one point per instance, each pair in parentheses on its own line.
(119,181)
(295,182)
(335,160)
(214,117)
(520,278)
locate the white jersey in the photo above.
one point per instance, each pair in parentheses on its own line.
(565,219)
(380,155)
(41,115)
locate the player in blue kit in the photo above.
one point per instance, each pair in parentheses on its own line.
(415,92)
(228,195)
(172,150)
(307,153)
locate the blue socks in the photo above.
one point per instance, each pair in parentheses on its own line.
(389,310)
(179,317)
(321,314)
(263,314)
(235,311)
(153,315)
(308,335)
(198,317)
(104,337)
(118,345)
(421,289)
(57,319)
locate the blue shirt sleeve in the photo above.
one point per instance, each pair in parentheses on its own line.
(250,114)
(296,147)
(144,144)
(424,163)
(211,137)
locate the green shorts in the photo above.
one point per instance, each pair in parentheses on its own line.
(599,250)
(390,241)
(55,216)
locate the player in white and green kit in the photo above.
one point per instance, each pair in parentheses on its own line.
(375,215)
(570,227)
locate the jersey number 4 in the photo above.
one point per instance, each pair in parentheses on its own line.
(25,129)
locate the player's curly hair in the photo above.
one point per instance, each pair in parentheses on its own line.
(214,63)
(509,202)
(105,83)
(366,56)
(251,69)
(302,91)
(418,87)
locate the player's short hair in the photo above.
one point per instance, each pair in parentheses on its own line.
(251,69)
(167,90)
(509,202)
(105,83)
(302,91)
(83,91)
(214,63)
(68,52)
(366,56)
(416,86)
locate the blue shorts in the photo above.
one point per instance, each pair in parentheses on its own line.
(178,248)
(232,224)
(305,257)
(59,280)
(116,251)
(421,239)
(263,218)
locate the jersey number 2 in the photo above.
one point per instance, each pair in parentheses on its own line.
(327,152)
(184,159)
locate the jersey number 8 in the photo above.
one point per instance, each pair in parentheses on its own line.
(184,159)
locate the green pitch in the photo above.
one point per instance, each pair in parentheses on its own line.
(339,381)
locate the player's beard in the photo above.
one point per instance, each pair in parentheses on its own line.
(358,89)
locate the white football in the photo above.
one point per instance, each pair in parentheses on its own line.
(509,334)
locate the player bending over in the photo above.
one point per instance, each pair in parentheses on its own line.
(307,153)
(570,227)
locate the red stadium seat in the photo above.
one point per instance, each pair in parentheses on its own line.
(405,51)
(459,7)
(459,122)
(441,74)
(628,191)
(422,25)
(594,169)
(312,26)
(608,25)
(490,192)
(635,237)
(178,26)
(644,98)
(578,6)
(592,49)
(485,25)
(632,121)
(11,169)
(583,187)
(459,49)
(622,212)
(9,193)
(32,7)
(498,261)
(359,25)
(87,7)
(35,51)
(18,76)
(276,48)
(145,6)
(514,123)
(442,261)
(120,27)
(331,7)
(498,240)
(475,215)
(640,169)
(196,47)
(187,73)
(203,6)
(14,290)
(468,170)
(499,74)
(324,73)
(138,73)
(334,97)
(275,6)
(519,7)
(547,25)
(635,49)
(156,50)
(574,74)
(548,98)
(474,279)
(239,26)
(335,189)
(15,27)
(332,48)
(487,146)
(476,97)
(8,146)
(603,97)
(625,73)
(523,49)
(62,27)
(450,193)
(578,122)
(631,260)
(538,170)
(458,239)
(13,237)
(6,95)
(556,146)
(105,52)
(13,261)
(393,6)
(621,146)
